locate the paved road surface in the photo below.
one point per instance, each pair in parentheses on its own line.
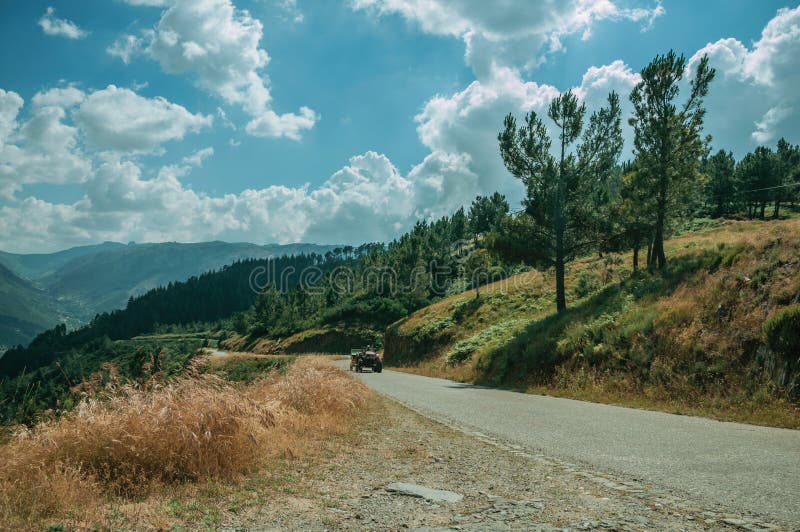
(740,466)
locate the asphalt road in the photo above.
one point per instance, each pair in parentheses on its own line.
(739,466)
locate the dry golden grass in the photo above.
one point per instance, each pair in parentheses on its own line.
(704,330)
(194,429)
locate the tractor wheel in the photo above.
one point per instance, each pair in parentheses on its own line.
(378,368)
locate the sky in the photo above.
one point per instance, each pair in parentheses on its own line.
(331,121)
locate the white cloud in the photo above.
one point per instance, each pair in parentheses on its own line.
(291,11)
(119,119)
(149,3)
(10,104)
(197,158)
(52,25)
(270,124)
(510,32)
(754,98)
(42,149)
(126,47)
(59,97)
(47,147)
(218,44)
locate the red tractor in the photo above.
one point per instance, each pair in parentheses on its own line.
(368,357)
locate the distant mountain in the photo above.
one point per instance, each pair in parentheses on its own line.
(72,286)
(35,265)
(25,310)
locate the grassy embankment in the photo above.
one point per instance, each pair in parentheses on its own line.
(328,339)
(179,453)
(711,336)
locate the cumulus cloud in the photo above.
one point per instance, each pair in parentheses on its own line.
(42,149)
(119,119)
(52,25)
(197,158)
(218,45)
(759,82)
(369,198)
(47,146)
(10,104)
(59,97)
(511,32)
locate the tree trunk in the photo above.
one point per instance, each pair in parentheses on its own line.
(763,209)
(776,212)
(649,261)
(561,297)
(658,240)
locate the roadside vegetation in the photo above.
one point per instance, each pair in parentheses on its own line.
(130,454)
(714,334)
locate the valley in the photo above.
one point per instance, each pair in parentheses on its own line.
(38,291)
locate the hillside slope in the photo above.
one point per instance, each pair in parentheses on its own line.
(36,265)
(105,280)
(25,310)
(715,334)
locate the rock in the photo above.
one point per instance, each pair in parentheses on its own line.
(429,494)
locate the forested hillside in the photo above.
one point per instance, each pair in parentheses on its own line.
(74,285)
(207,298)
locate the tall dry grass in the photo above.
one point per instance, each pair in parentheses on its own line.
(191,429)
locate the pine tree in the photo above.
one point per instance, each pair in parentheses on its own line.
(560,190)
(667,141)
(721,187)
(486,212)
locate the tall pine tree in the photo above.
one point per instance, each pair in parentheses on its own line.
(667,141)
(561,189)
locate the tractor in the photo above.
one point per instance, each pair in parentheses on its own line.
(367,357)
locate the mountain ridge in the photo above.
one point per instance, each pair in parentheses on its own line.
(75,284)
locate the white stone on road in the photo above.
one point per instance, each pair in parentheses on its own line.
(429,494)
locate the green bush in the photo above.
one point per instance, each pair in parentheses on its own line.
(434,328)
(499,334)
(783,331)
(586,283)
(249,369)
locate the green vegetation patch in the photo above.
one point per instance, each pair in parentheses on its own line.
(248,369)
(496,336)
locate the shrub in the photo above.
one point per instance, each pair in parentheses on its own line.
(783,331)
(248,369)
(434,328)
(586,283)
(498,335)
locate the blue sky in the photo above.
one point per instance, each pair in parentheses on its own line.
(368,115)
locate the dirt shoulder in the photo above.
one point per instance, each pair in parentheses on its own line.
(503,488)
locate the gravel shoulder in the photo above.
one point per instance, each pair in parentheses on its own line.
(502,487)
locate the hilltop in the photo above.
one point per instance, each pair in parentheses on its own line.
(708,336)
